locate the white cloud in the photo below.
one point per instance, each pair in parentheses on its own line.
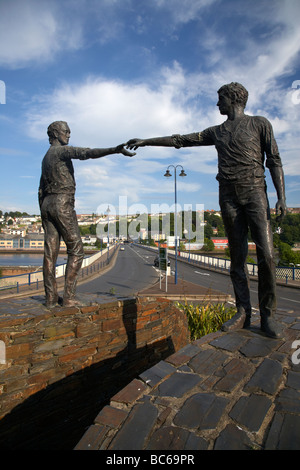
(183,11)
(103,113)
(34,31)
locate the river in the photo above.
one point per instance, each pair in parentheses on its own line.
(26,259)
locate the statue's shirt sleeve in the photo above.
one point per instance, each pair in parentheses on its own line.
(58,171)
(195,139)
(244,147)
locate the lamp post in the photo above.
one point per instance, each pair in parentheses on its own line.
(168,174)
(108,211)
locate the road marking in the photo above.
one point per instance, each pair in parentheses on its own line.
(290,300)
(202,274)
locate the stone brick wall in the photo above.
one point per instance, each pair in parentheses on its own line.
(62,366)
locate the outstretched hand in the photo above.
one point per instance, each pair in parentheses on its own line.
(134,144)
(121,149)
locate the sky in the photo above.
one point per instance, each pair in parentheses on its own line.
(120,69)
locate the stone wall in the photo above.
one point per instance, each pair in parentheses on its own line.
(16,270)
(62,366)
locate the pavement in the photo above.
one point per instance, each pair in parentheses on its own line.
(183,290)
(235,390)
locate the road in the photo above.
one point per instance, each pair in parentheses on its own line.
(134,271)
(287,297)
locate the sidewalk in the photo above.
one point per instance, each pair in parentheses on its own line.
(226,391)
(183,290)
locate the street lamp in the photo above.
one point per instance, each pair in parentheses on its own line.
(167,175)
(108,211)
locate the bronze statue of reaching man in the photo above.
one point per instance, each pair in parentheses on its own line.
(244,144)
(56,200)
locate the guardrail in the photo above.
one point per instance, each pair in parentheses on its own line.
(34,280)
(282,272)
(285,273)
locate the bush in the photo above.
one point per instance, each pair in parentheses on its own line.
(205,319)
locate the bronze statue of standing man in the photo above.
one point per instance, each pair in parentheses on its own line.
(244,145)
(56,200)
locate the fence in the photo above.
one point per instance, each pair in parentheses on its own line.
(34,280)
(286,273)
(290,273)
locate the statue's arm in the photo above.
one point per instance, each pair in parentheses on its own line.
(41,192)
(99,152)
(175,140)
(154,141)
(279,184)
(274,163)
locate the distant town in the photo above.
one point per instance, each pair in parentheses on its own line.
(21,231)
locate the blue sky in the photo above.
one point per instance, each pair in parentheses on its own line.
(118,69)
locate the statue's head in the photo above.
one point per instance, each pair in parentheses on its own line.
(59,130)
(236,92)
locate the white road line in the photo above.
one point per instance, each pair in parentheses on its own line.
(202,274)
(290,300)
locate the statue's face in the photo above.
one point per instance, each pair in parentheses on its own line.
(224,103)
(63,134)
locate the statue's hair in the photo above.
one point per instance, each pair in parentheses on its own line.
(236,92)
(54,126)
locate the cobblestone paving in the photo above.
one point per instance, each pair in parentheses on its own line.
(236,390)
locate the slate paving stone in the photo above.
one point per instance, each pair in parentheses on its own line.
(185,368)
(136,428)
(177,385)
(288,400)
(293,380)
(273,434)
(266,378)
(196,443)
(92,438)
(290,433)
(156,373)
(259,346)
(201,411)
(130,393)
(208,361)
(229,342)
(284,433)
(184,355)
(233,438)
(234,372)
(250,411)
(174,438)
(111,417)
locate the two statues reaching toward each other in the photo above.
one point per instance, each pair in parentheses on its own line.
(245,144)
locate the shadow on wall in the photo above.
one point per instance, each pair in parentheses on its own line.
(57,417)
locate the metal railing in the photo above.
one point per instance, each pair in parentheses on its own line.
(34,281)
(285,273)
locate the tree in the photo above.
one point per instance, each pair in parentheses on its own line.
(208,245)
(287,256)
(289,229)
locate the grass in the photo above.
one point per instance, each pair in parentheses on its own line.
(205,319)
